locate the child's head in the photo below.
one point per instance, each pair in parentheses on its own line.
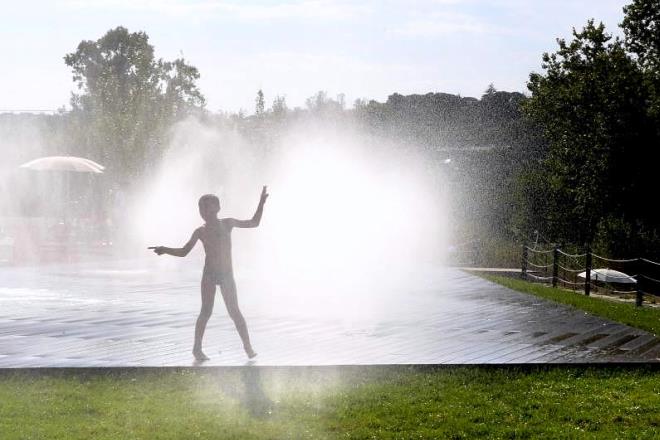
(209,206)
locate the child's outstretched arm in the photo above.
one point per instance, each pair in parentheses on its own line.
(178,252)
(256,218)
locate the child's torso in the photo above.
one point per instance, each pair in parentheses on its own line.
(216,238)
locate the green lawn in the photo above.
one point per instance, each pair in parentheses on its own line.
(353,402)
(645,318)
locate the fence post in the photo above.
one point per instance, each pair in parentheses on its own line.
(587,278)
(639,297)
(523,263)
(555,265)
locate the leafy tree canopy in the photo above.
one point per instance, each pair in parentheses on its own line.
(591,104)
(641,26)
(127,98)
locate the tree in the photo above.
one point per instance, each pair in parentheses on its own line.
(321,104)
(591,106)
(317,102)
(341,100)
(490,91)
(279,106)
(127,98)
(259,103)
(641,26)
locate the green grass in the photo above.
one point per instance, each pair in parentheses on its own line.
(644,318)
(356,402)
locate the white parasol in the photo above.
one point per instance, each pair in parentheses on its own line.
(68,165)
(64,163)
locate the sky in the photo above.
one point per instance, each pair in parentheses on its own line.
(363,49)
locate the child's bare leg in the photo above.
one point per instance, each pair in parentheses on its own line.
(208,298)
(228,289)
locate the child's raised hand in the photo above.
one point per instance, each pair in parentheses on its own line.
(157,249)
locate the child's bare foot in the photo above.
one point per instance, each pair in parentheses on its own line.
(250,353)
(199,354)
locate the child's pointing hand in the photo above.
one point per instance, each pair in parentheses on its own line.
(157,249)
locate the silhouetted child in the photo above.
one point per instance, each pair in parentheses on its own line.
(215,235)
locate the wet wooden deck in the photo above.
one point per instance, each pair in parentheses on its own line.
(125,315)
